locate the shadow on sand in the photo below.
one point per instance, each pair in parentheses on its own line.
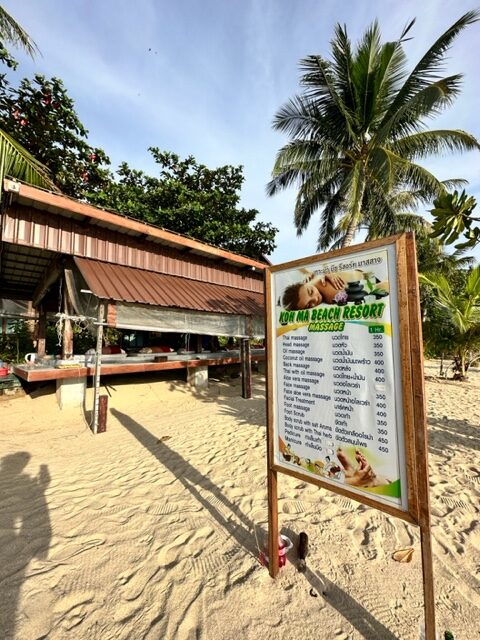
(25,531)
(243,530)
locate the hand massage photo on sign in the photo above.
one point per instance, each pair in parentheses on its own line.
(347,465)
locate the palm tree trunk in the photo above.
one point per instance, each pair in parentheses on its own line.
(348,237)
(463,358)
(356,209)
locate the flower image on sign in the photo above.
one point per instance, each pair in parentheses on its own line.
(337,411)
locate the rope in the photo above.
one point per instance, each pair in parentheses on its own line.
(82,322)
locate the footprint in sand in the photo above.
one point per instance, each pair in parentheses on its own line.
(296,506)
(136,582)
(171,554)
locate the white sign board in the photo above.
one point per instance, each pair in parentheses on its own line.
(337,387)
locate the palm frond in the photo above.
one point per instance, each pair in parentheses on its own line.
(430,65)
(472,286)
(320,82)
(311,197)
(13,33)
(298,118)
(17,162)
(426,103)
(427,143)
(329,233)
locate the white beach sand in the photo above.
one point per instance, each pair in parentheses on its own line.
(149,530)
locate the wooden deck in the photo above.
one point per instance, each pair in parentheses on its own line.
(40,374)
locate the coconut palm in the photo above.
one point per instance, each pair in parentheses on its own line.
(15,160)
(357,132)
(462,307)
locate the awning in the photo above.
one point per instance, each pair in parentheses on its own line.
(127,284)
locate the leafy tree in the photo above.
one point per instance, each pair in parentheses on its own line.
(41,116)
(357,132)
(461,307)
(453,218)
(190,199)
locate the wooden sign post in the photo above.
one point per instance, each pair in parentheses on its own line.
(346,405)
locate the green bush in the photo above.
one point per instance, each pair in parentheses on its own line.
(14,345)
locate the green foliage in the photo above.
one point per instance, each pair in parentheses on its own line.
(191,199)
(14,346)
(357,133)
(111,336)
(83,340)
(453,218)
(458,309)
(41,116)
(17,162)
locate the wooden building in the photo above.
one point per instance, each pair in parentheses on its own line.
(70,259)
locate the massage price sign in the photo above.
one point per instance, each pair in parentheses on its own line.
(337,382)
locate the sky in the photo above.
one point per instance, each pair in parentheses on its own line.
(205,78)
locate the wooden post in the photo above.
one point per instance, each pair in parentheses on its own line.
(102,413)
(67,341)
(246,364)
(98,365)
(41,332)
(4,326)
(273,532)
(421,438)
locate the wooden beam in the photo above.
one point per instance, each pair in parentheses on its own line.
(67,338)
(52,272)
(246,360)
(41,332)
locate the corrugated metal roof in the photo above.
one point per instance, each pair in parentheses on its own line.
(58,203)
(127,284)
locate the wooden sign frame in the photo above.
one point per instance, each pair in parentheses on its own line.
(414,410)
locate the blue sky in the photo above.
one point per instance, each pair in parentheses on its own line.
(206,77)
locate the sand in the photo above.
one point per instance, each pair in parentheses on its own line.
(150,530)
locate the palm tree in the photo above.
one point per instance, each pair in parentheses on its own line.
(357,132)
(462,307)
(15,160)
